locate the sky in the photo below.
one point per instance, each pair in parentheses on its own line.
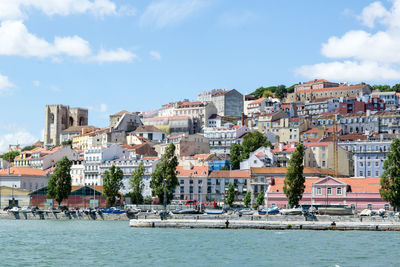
(110,55)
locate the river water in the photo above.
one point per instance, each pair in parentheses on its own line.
(109,243)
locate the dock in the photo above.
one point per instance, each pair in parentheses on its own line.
(266,225)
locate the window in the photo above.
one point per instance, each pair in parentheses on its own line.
(319,191)
(200,181)
(182,189)
(377,163)
(369,206)
(182,181)
(191,181)
(361,173)
(338,191)
(329,191)
(386,206)
(361,164)
(191,190)
(323,163)
(368,173)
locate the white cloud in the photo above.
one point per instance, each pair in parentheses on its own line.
(36,83)
(373,12)
(118,55)
(15,9)
(360,55)
(167,12)
(17,41)
(101,108)
(5,84)
(154,54)
(12,134)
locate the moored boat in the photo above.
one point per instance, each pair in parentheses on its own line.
(186,211)
(294,211)
(335,211)
(214,211)
(269,211)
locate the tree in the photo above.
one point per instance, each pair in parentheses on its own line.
(67,143)
(26,148)
(253,141)
(112,183)
(10,156)
(236,156)
(136,183)
(396,88)
(59,185)
(165,173)
(267,94)
(225,168)
(231,195)
(390,179)
(260,198)
(247,199)
(294,180)
(382,88)
(280,91)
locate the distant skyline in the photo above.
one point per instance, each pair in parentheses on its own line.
(108,55)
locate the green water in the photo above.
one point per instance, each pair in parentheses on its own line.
(102,243)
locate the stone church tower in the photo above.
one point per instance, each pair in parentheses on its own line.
(60,117)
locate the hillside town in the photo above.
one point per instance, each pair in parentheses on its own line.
(346,130)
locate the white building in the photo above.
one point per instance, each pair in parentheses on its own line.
(221,139)
(128,166)
(262,157)
(95,156)
(77,172)
(149,132)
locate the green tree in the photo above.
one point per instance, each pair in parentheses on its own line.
(294,180)
(10,156)
(390,179)
(112,183)
(59,185)
(280,91)
(235,156)
(165,172)
(137,185)
(396,88)
(231,195)
(260,199)
(251,142)
(67,143)
(247,199)
(225,168)
(267,94)
(26,148)
(382,88)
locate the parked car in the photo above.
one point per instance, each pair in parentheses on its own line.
(15,209)
(62,208)
(6,208)
(26,209)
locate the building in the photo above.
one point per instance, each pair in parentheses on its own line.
(289,129)
(315,89)
(94,157)
(353,192)
(356,106)
(228,103)
(11,196)
(23,178)
(368,156)
(4,164)
(319,106)
(221,139)
(218,184)
(77,172)
(186,145)
(391,99)
(59,118)
(141,150)
(125,121)
(262,178)
(41,158)
(149,132)
(206,96)
(192,183)
(128,166)
(174,125)
(262,157)
(80,196)
(317,133)
(199,110)
(214,121)
(69,133)
(266,104)
(321,155)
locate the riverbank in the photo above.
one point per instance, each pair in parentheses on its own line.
(48,215)
(267,225)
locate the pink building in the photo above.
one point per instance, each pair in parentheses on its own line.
(359,193)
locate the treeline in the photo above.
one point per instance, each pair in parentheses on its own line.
(279,91)
(387,88)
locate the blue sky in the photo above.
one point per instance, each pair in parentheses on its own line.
(111,55)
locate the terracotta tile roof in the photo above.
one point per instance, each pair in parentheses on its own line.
(196,171)
(230,174)
(338,88)
(23,171)
(221,93)
(78,129)
(357,185)
(283,170)
(169,118)
(122,112)
(327,130)
(347,137)
(257,101)
(318,80)
(202,156)
(260,154)
(316,144)
(147,128)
